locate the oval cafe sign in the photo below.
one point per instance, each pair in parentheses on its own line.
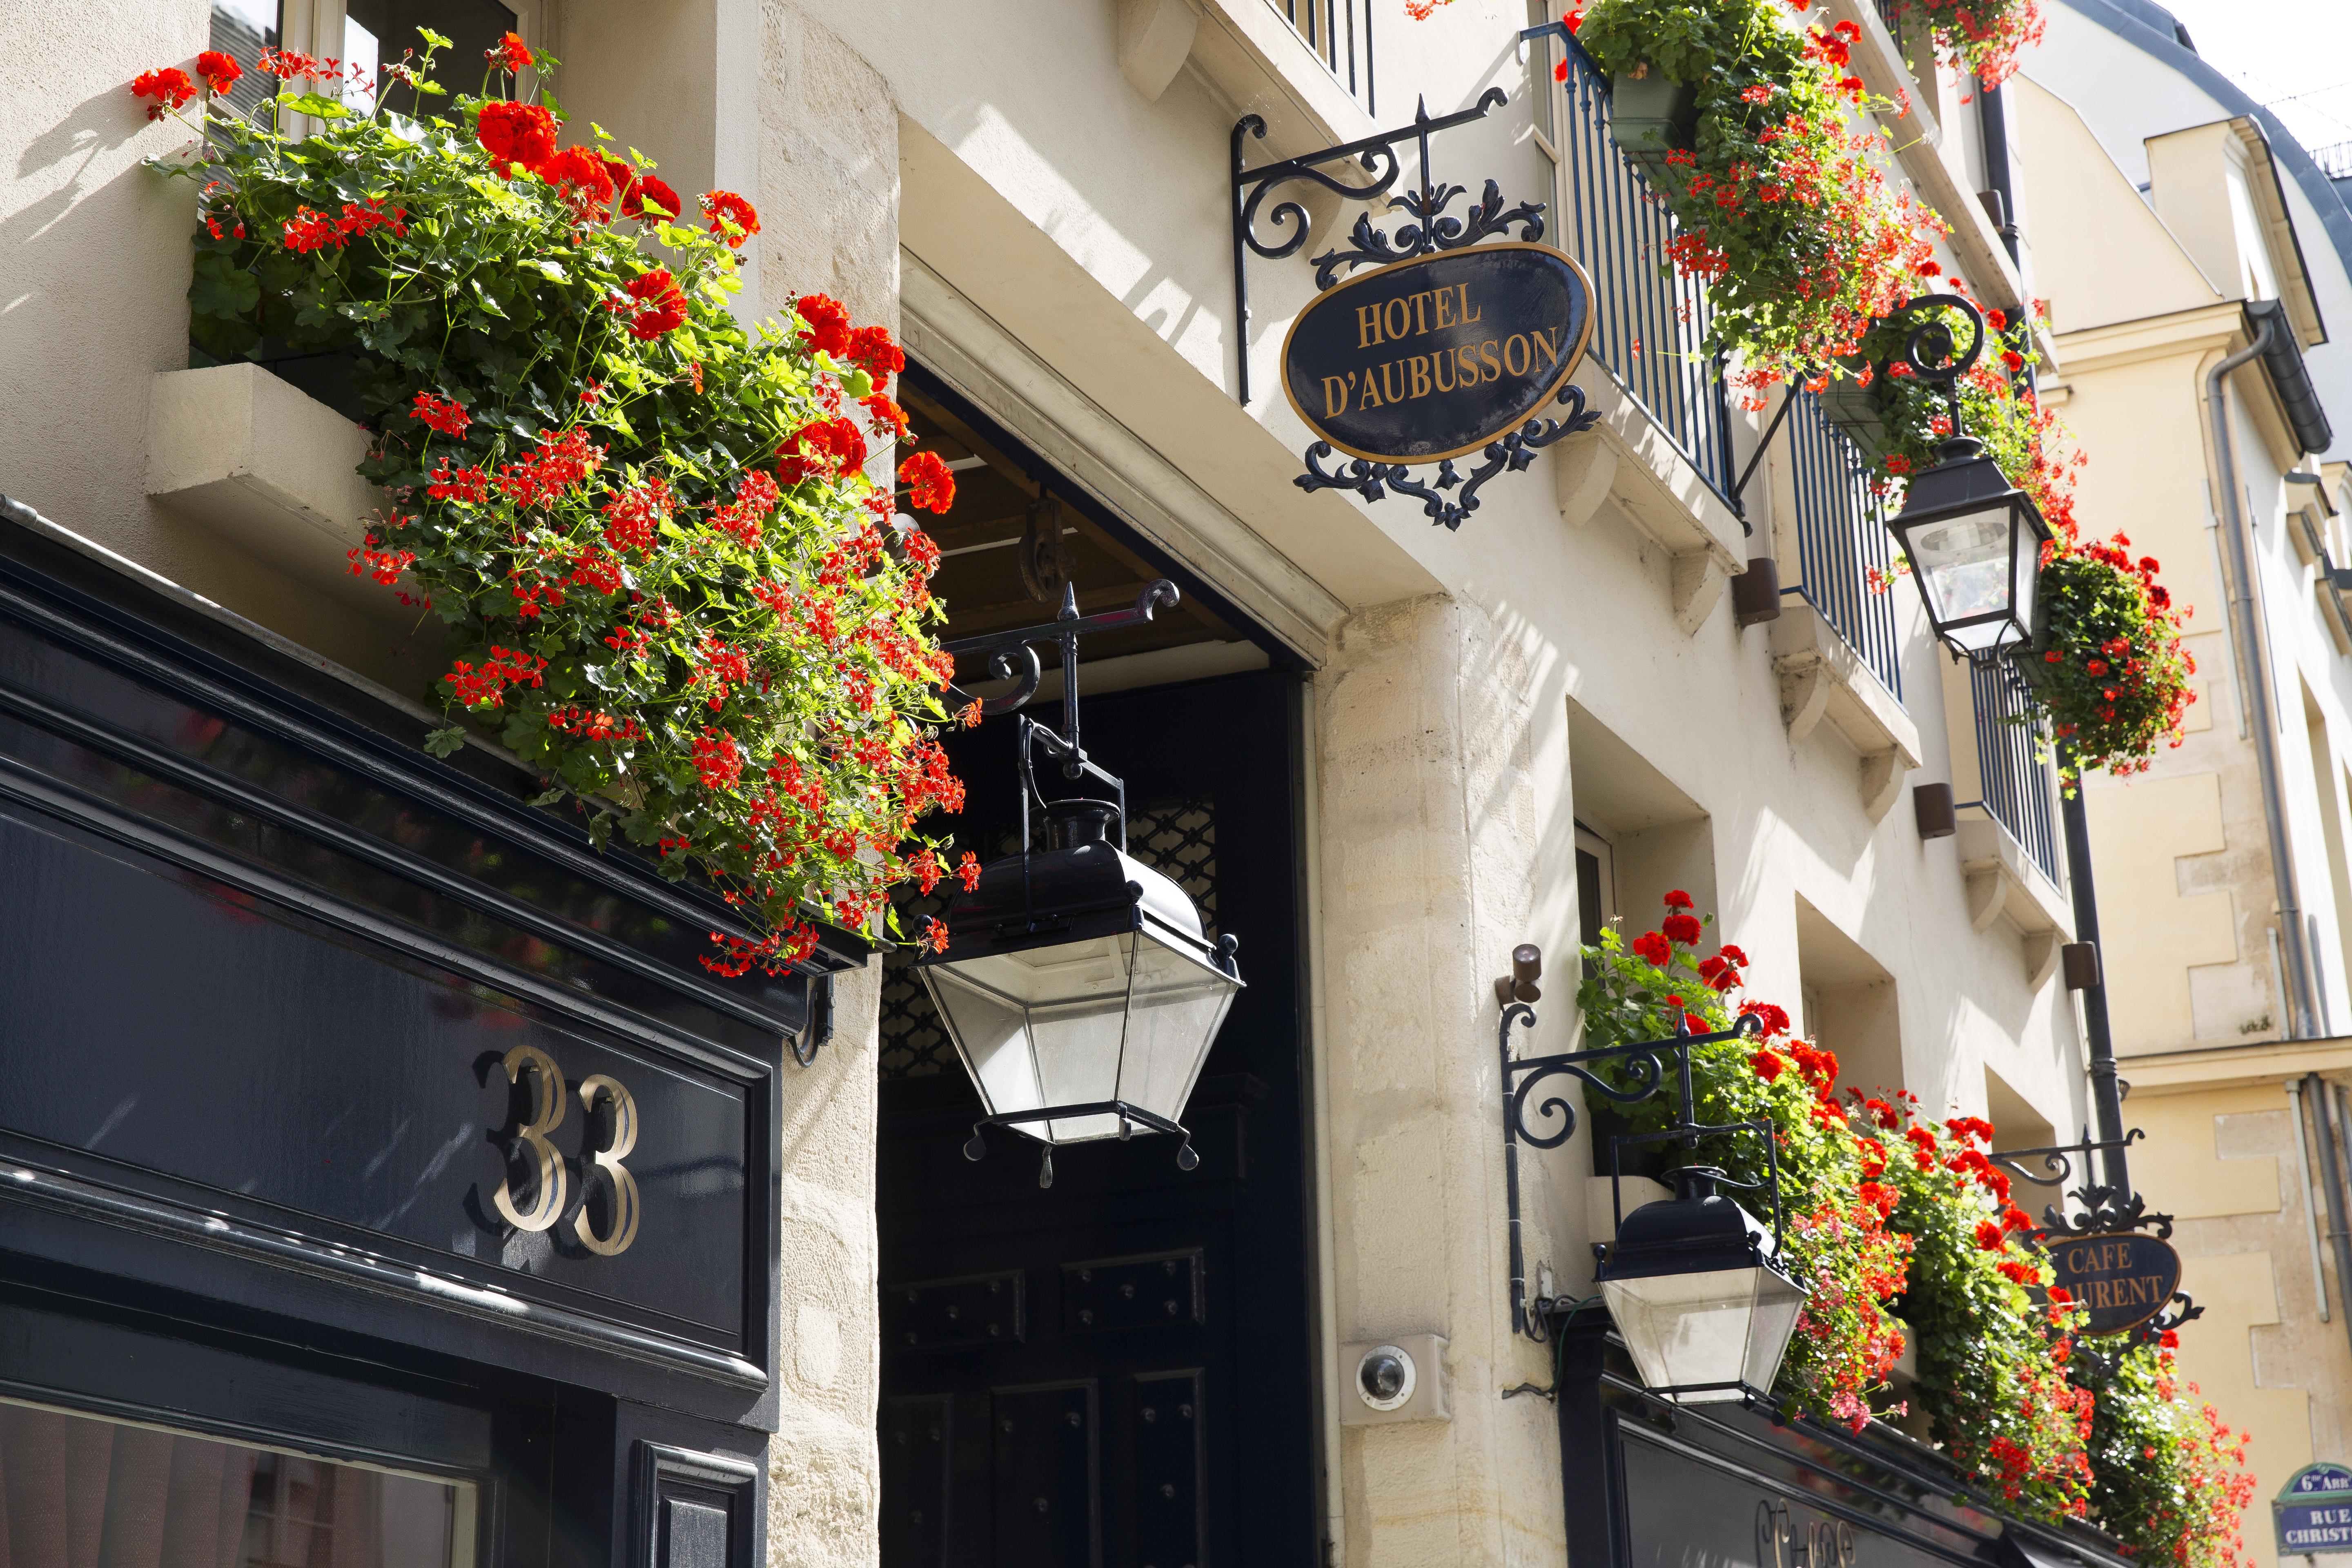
(1434,357)
(2123,1277)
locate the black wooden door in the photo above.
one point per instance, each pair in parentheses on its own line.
(1114,1372)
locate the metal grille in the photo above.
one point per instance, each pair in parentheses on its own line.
(1647,321)
(2016,781)
(1841,538)
(1341,34)
(1177,839)
(1891,13)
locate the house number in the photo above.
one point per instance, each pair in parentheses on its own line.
(550,1172)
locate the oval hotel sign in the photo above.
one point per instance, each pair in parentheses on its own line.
(1434,357)
(2124,1278)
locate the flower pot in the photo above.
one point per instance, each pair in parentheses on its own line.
(1652,116)
(1859,412)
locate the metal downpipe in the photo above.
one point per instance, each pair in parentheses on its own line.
(2331,1177)
(2255,660)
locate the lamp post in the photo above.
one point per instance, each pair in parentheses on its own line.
(1078,985)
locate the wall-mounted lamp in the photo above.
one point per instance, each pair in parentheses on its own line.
(1932,809)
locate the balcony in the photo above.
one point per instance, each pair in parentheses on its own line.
(1834,645)
(2008,812)
(1665,451)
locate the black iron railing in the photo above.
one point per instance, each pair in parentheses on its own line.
(1841,541)
(1647,321)
(1341,34)
(2015,781)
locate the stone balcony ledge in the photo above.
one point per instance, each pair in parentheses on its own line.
(2006,888)
(1822,678)
(1630,459)
(270,469)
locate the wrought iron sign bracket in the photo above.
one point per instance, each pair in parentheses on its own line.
(1645,1064)
(1449,495)
(2108,1209)
(1375,155)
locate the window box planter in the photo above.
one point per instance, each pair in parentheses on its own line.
(1652,116)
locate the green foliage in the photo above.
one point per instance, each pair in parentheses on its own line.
(667,583)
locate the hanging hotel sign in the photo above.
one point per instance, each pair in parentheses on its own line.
(2313,1512)
(1434,357)
(2122,1277)
(1443,347)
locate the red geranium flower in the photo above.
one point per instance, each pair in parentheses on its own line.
(170,88)
(1679,900)
(509,53)
(1988,1236)
(725,208)
(449,418)
(220,73)
(582,176)
(1652,946)
(644,196)
(827,447)
(932,485)
(871,349)
(1683,929)
(516,135)
(661,304)
(827,331)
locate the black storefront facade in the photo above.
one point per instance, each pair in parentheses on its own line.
(383,1182)
(1649,1484)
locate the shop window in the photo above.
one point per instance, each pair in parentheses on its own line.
(81,1489)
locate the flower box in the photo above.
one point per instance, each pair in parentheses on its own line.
(1652,115)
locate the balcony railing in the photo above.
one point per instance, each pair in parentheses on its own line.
(1341,34)
(1841,539)
(1647,321)
(2015,781)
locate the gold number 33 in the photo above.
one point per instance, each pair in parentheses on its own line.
(548,1099)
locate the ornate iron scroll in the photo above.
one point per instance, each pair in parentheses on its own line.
(1512,453)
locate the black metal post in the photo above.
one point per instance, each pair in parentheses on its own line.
(2107,1090)
(1587,1467)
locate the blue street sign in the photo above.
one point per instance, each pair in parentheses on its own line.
(2313,1512)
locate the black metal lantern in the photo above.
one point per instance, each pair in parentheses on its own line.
(1974,540)
(1078,985)
(1696,1288)
(1693,1283)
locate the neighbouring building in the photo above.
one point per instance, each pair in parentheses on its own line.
(2174,225)
(262,954)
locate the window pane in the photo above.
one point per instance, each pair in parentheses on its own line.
(80,1490)
(241,30)
(1542,54)
(389,28)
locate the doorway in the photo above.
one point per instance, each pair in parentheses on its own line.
(1114,1371)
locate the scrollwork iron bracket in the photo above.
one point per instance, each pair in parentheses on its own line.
(1375,155)
(1511,453)
(1644,1063)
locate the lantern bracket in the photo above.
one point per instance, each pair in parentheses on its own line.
(1645,1063)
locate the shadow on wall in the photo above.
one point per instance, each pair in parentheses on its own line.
(1848,1005)
(1651,836)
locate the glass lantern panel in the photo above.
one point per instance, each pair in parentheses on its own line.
(1177,1007)
(1077,1024)
(1778,1303)
(990,1030)
(1963,563)
(1689,1329)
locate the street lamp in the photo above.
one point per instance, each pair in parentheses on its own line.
(1974,540)
(1696,1286)
(1078,984)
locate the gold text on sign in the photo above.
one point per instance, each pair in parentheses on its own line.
(1446,370)
(551,1177)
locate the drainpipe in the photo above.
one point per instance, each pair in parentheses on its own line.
(1992,119)
(2255,658)
(2303,1173)
(2331,1177)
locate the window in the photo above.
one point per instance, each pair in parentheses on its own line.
(1596,885)
(361,34)
(81,1490)
(1541,55)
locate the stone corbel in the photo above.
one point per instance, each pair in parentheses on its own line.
(1584,473)
(1822,678)
(1804,695)
(1988,892)
(1883,773)
(1155,39)
(1699,582)
(2043,951)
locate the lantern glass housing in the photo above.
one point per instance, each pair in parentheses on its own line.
(1077,976)
(1697,1291)
(1974,542)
